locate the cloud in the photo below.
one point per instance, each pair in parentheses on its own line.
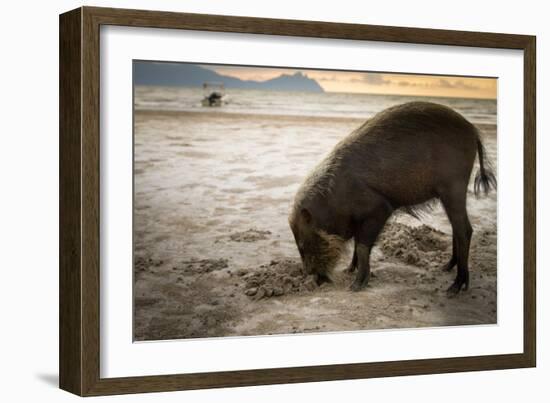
(329,77)
(441,83)
(459,84)
(374,79)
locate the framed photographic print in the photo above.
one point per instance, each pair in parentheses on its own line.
(249,201)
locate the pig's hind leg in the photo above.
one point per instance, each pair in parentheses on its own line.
(452,261)
(353,264)
(454,203)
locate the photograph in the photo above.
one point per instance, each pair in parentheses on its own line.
(282,200)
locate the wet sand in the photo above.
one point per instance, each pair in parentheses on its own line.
(214,255)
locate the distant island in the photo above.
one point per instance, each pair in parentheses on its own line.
(190,75)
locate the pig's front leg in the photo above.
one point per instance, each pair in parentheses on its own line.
(365,239)
(363,267)
(353,264)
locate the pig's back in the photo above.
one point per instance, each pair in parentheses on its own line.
(410,151)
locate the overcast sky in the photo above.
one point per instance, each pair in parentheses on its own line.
(377,83)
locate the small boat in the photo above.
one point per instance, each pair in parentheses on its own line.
(214,94)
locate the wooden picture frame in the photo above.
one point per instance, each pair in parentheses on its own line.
(79,346)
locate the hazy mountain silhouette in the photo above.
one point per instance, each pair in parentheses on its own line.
(190,75)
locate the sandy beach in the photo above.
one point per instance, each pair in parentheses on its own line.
(214,255)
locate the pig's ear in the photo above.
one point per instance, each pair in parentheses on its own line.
(306,215)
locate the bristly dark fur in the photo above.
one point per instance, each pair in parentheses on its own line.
(419,211)
(485,179)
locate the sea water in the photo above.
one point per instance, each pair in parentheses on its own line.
(326,104)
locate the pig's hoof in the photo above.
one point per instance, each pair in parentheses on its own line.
(358,286)
(322,279)
(455,288)
(453,291)
(447,267)
(349,269)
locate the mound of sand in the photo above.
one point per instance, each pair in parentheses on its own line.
(420,246)
(278,278)
(142,264)
(251,235)
(201,266)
